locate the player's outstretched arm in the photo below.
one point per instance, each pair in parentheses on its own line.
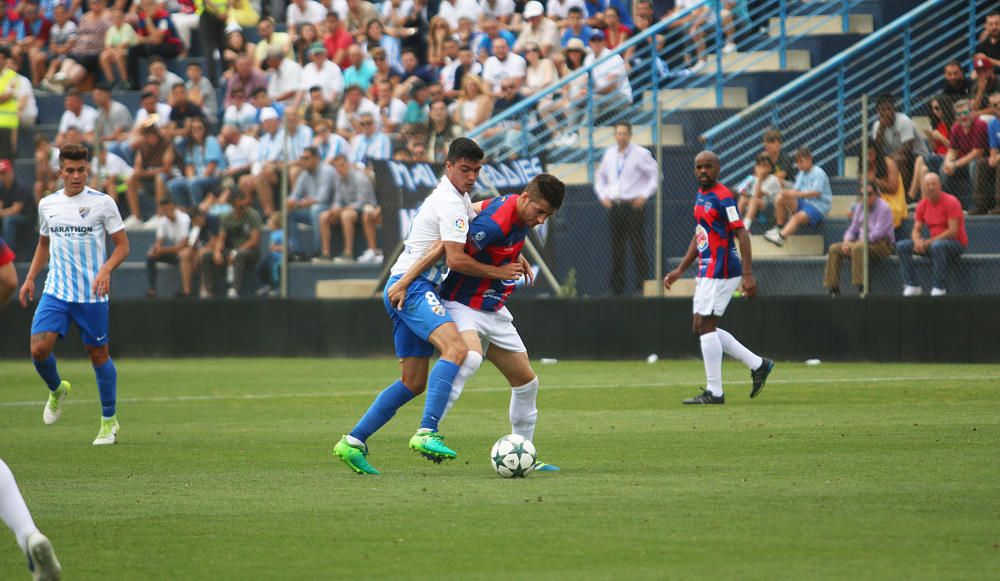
(460,261)
(39,262)
(749,282)
(397,292)
(689,256)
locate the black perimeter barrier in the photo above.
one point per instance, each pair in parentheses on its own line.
(889,329)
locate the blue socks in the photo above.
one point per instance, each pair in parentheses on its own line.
(382,409)
(47,369)
(438,390)
(107,385)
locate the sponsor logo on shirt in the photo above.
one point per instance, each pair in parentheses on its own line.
(701,237)
(461,225)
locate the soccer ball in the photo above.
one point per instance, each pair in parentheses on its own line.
(513,456)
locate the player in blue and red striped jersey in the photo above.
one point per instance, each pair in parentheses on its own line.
(477,304)
(8,276)
(720,274)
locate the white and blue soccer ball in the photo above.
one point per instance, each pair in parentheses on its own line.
(513,456)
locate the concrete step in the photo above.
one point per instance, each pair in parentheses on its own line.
(795,247)
(822,24)
(761,61)
(641,135)
(704,98)
(348,288)
(572,174)
(841,205)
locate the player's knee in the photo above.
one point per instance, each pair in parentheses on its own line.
(456,353)
(40,351)
(98,355)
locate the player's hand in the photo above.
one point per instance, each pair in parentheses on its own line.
(102,284)
(671,278)
(511,271)
(749,286)
(606,203)
(529,275)
(397,294)
(27,292)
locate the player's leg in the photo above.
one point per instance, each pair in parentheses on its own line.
(51,321)
(469,367)
(93,321)
(14,512)
(706,313)
(414,354)
(446,338)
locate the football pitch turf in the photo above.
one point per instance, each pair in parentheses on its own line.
(224,471)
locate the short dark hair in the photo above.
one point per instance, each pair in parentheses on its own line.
(803,153)
(624,124)
(408,50)
(464,148)
(194,64)
(885,99)
(166,200)
(953,63)
(311,150)
(103,86)
(73,152)
(575,9)
(547,187)
(157,59)
(763,157)
(259,91)
(772,135)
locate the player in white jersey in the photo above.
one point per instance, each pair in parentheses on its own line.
(422,323)
(74,223)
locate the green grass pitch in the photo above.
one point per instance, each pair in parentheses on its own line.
(224,471)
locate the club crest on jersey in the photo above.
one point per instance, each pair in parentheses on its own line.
(84,212)
(438,310)
(701,238)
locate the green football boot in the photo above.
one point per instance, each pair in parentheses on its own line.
(430,445)
(354,456)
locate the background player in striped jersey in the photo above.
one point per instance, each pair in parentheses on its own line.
(74,223)
(8,275)
(478,304)
(720,274)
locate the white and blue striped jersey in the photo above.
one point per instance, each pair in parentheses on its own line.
(76,227)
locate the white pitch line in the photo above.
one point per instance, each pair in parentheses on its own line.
(338,394)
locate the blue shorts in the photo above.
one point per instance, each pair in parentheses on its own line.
(54,315)
(815,216)
(421,314)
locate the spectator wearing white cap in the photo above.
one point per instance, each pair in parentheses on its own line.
(270,154)
(539,30)
(323,73)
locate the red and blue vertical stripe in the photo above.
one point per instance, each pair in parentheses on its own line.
(717,217)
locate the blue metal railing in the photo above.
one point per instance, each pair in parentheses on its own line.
(654,86)
(822,108)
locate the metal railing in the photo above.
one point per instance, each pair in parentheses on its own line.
(821,109)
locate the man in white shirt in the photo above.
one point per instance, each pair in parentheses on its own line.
(301,12)
(558,10)
(285,83)
(270,155)
(453,10)
(611,85)
(355,105)
(625,180)
(504,64)
(537,30)
(323,73)
(172,230)
(78,115)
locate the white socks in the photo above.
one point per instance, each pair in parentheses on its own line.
(13,511)
(469,368)
(523,412)
(736,350)
(711,353)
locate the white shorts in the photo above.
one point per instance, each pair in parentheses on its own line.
(712,295)
(494,328)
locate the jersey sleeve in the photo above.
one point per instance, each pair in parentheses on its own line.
(453,222)
(43,222)
(727,206)
(112,217)
(484,231)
